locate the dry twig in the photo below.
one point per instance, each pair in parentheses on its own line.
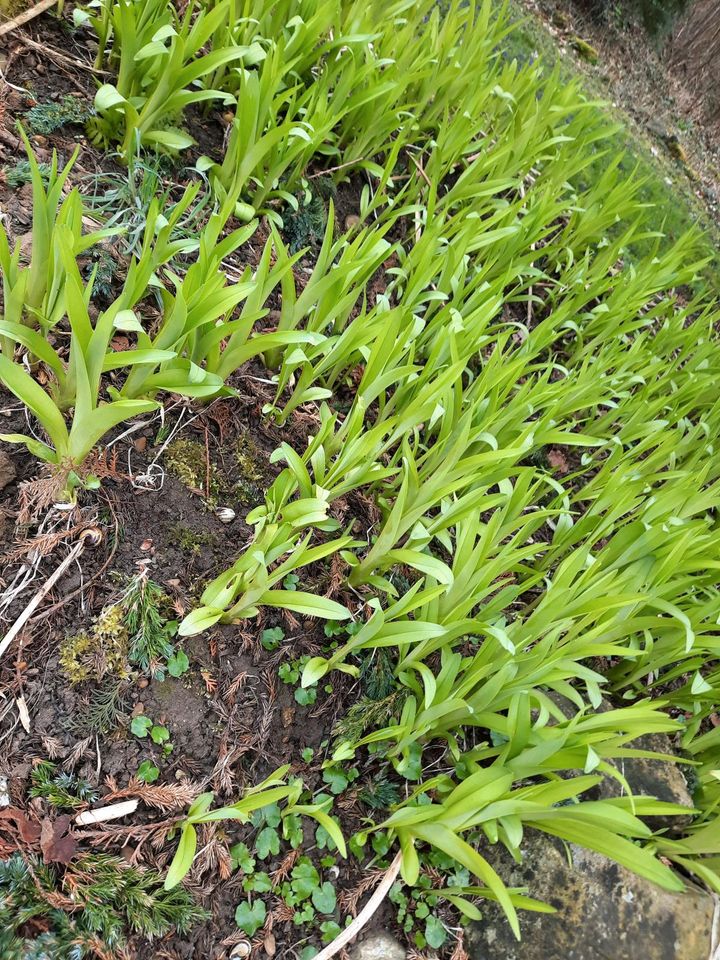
(26,16)
(365,915)
(87,537)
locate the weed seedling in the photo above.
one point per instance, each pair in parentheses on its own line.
(272,637)
(147,772)
(250,916)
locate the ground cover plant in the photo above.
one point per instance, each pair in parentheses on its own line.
(408,535)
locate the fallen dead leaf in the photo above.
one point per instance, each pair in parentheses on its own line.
(558,461)
(29,830)
(56,843)
(24,714)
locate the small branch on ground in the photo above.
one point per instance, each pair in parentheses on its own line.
(26,16)
(365,915)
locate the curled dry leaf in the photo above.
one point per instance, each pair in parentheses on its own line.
(23,713)
(558,461)
(58,845)
(27,830)
(269,943)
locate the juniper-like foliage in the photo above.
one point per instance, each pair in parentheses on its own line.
(106,901)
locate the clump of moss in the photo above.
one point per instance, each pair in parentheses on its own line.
(136,632)
(99,652)
(187,460)
(10,8)
(586,50)
(45,118)
(190,541)
(248,458)
(676,148)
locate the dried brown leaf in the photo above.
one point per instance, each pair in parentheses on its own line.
(57,843)
(558,461)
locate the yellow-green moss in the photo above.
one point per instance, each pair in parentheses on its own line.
(99,652)
(11,8)
(585,50)
(190,541)
(186,459)
(248,457)
(677,149)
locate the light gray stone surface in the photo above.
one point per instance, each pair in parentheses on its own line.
(604,912)
(378,946)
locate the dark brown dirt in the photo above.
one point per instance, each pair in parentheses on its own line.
(231,721)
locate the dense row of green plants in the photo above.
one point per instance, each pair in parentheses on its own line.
(515,329)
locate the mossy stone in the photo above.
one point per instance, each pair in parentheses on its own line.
(603,911)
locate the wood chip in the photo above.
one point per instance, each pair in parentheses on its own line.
(112,812)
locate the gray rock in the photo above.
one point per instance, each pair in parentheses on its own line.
(7,470)
(378,946)
(662,779)
(604,912)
